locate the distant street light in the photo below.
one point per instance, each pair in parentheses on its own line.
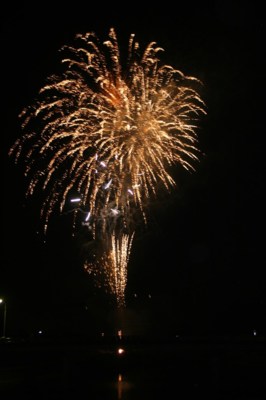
(4,323)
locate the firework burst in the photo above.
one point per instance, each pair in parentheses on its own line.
(109,133)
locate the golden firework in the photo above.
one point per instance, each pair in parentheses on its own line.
(110,133)
(107,132)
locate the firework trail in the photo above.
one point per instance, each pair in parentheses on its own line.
(110,268)
(109,132)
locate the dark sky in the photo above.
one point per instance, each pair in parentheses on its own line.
(201,258)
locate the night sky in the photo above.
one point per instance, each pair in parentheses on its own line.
(199,264)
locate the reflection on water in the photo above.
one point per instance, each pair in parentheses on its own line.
(119,386)
(139,372)
(123,386)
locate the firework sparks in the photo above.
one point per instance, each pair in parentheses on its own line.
(110,270)
(110,134)
(104,127)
